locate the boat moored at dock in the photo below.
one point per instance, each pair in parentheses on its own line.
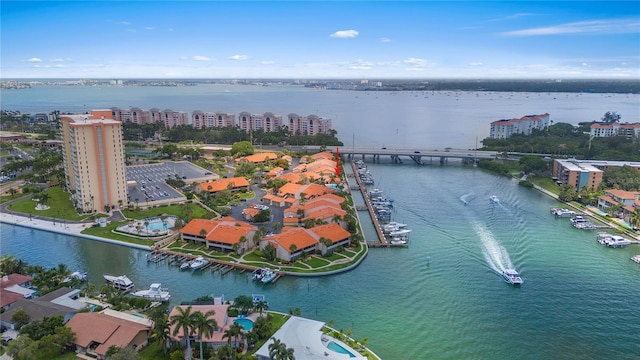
(613,241)
(154,293)
(121,282)
(198,263)
(563,213)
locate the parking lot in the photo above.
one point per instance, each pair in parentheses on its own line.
(150,180)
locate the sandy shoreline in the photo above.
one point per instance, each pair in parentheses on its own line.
(73,229)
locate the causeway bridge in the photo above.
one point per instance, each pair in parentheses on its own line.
(419,156)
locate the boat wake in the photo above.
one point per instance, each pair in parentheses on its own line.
(495,254)
(466,198)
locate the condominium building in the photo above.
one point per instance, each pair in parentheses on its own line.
(136,115)
(308,125)
(614,129)
(268,122)
(581,173)
(217,119)
(502,129)
(94,161)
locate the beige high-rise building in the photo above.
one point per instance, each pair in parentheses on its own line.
(94,161)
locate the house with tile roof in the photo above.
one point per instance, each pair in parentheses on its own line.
(233,184)
(213,340)
(293,242)
(97,332)
(18,283)
(224,234)
(326,208)
(258,158)
(628,200)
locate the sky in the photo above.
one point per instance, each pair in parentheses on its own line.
(320,39)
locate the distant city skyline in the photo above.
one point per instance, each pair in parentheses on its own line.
(321,40)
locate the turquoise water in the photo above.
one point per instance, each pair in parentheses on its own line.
(579,299)
(339,349)
(156,223)
(246,324)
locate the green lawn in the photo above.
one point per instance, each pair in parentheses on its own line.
(5,198)
(106,232)
(59,202)
(316,262)
(153,352)
(546,183)
(197,211)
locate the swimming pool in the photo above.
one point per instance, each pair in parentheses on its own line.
(156,223)
(246,324)
(339,349)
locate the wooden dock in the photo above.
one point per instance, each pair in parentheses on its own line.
(381,238)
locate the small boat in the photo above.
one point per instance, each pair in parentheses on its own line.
(119,282)
(155,293)
(398,241)
(257,274)
(494,199)
(401,232)
(563,212)
(636,259)
(185,265)
(198,263)
(268,276)
(511,276)
(80,275)
(613,241)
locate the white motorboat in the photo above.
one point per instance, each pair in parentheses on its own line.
(613,241)
(398,241)
(401,232)
(155,293)
(511,276)
(268,276)
(636,259)
(494,199)
(119,282)
(257,274)
(562,212)
(198,262)
(185,265)
(80,275)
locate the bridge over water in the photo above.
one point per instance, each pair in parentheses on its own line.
(418,156)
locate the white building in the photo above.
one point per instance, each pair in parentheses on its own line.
(502,129)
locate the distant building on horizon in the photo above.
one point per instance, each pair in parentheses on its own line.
(94,160)
(627,130)
(502,129)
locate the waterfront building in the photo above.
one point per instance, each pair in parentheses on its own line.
(581,173)
(217,119)
(259,158)
(502,129)
(225,234)
(59,302)
(94,161)
(628,201)
(134,115)
(294,242)
(308,125)
(97,332)
(627,130)
(214,339)
(267,122)
(326,208)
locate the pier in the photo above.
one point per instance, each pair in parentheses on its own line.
(382,239)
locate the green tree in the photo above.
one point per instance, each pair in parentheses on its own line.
(23,348)
(125,353)
(19,318)
(269,252)
(242,148)
(567,193)
(205,325)
(183,320)
(610,117)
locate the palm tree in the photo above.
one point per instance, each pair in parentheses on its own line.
(275,348)
(262,306)
(205,325)
(277,226)
(163,331)
(634,218)
(183,320)
(89,289)
(225,352)
(337,218)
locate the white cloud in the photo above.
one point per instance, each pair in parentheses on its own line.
(359,67)
(476,63)
(34,59)
(149,28)
(345,34)
(384,40)
(201,58)
(268,62)
(239,57)
(609,26)
(415,62)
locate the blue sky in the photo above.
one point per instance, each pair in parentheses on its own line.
(320,39)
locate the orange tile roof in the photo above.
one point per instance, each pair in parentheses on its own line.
(104,329)
(260,157)
(229,234)
(291,177)
(9,297)
(194,226)
(289,189)
(313,190)
(222,184)
(622,194)
(251,211)
(14,279)
(328,197)
(322,155)
(325,213)
(298,236)
(332,231)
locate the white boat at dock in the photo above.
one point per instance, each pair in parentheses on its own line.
(401,232)
(636,259)
(613,241)
(268,276)
(119,282)
(558,212)
(186,265)
(198,262)
(154,293)
(80,275)
(398,241)
(579,222)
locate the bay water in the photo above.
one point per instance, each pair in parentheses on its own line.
(442,296)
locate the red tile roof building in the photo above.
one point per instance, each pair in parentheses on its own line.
(306,240)
(615,129)
(220,315)
(502,129)
(233,184)
(221,234)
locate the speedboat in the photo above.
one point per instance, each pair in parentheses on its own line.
(198,263)
(268,276)
(185,265)
(257,274)
(636,259)
(398,241)
(80,275)
(613,241)
(511,276)
(119,282)
(155,292)
(494,199)
(401,232)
